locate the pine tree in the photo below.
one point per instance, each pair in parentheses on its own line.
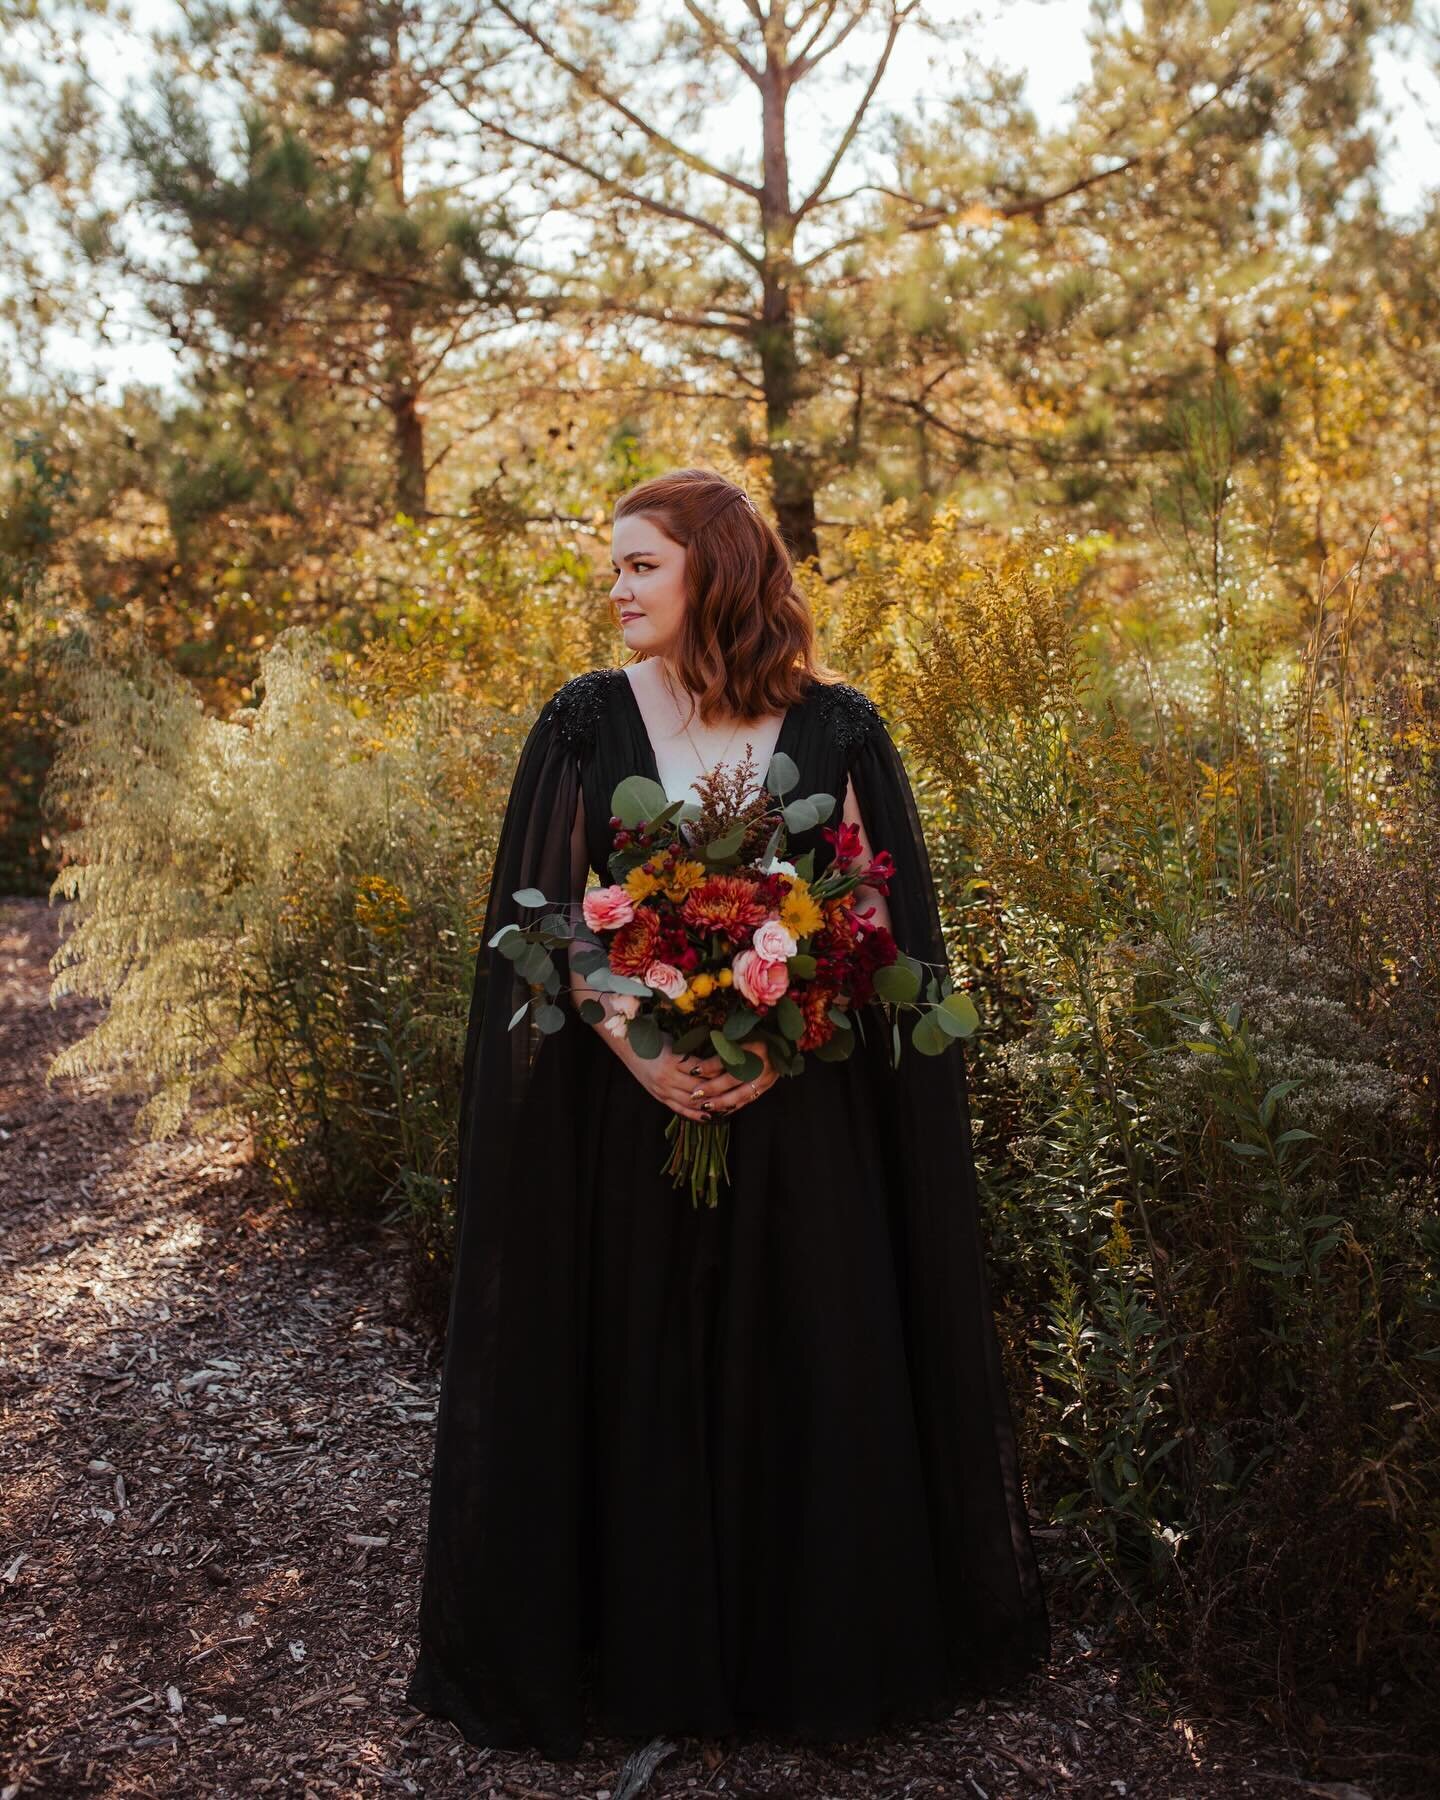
(320,250)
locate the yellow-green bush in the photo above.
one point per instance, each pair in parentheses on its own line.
(280,908)
(1208,958)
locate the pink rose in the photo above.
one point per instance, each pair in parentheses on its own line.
(667,978)
(607,908)
(760,980)
(774,941)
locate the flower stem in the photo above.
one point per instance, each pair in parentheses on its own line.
(699,1157)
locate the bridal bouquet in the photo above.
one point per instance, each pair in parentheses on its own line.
(707,939)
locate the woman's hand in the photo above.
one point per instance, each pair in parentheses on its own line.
(696,1087)
(734,1092)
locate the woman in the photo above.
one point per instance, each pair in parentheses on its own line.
(748,1469)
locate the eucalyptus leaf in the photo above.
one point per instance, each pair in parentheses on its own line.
(528,896)
(732,1053)
(629,984)
(790,1019)
(800,815)
(896,983)
(957,1015)
(606,981)
(535,964)
(550,1018)
(741,1021)
(781,774)
(722,847)
(801,965)
(644,1036)
(637,797)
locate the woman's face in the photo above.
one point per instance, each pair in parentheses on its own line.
(649,586)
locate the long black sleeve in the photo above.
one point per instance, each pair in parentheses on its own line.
(535,849)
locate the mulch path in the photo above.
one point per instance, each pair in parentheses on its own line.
(217,1418)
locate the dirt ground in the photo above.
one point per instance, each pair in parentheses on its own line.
(217,1432)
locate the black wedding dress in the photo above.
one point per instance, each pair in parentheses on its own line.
(748,1469)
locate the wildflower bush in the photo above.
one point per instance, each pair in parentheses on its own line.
(281,909)
(1207,966)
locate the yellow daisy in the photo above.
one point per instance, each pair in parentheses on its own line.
(683,877)
(640,886)
(799,913)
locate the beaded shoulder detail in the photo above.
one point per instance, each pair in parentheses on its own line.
(848,715)
(577,705)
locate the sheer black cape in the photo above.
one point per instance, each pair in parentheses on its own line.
(521,1640)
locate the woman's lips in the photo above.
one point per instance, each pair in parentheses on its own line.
(632,614)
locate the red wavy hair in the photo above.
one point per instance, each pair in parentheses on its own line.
(747,638)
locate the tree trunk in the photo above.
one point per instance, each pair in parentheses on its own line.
(410,497)
(792,488)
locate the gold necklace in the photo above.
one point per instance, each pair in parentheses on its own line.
(665,677)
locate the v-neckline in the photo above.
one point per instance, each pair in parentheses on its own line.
(788,726)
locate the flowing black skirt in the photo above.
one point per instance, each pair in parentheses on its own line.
(736,1470)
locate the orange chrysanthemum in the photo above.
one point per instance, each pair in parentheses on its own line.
(724,903)
(839,934)
(632,949)
(815,1002)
